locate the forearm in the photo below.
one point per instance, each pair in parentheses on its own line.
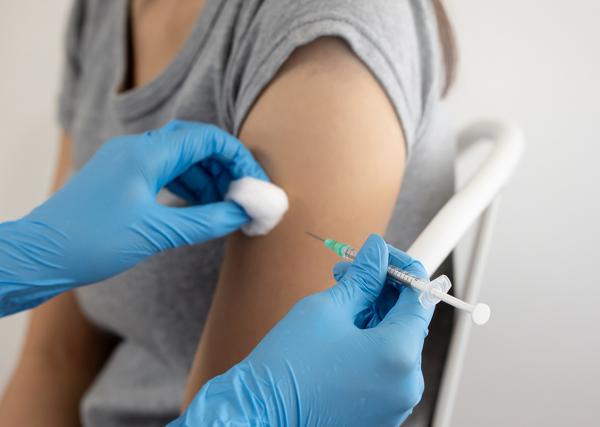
(61,357)
(44,392)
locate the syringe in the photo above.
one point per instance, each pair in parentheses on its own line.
(431,291)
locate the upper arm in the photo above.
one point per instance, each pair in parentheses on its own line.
(326,132)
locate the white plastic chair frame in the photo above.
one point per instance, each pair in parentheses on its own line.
(476,200)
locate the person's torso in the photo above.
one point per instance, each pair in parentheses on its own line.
(158,308)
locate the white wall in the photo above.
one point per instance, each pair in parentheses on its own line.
(538,63)
(535,62)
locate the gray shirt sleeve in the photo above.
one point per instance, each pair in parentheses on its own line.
(72,65)
(395,41)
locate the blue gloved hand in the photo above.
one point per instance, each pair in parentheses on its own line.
(106,218)
(317,367)
(375,313)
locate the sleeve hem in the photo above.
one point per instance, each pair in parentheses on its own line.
(363,46)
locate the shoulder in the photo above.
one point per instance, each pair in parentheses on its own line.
(396,41)
(389,22)
(324,104)
(383,11)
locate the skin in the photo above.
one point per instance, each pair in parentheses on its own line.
(319,147)
(158,31)
(325,131)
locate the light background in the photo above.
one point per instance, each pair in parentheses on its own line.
(538,63)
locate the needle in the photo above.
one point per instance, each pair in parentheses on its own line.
(314,236)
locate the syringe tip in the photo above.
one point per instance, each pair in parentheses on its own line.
(481,314)
(314,236)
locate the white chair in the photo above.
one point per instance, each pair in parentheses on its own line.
(476,201)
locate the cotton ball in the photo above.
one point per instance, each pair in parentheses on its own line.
(264,202)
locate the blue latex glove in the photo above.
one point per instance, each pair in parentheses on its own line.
(106,218)
(317,367)
(375,313)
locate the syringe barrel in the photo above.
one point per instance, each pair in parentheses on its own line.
(406,278)
(350,253)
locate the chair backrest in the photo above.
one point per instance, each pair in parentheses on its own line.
(476,201)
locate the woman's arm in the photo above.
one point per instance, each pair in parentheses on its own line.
(64,163)
(61,356)
(326,132)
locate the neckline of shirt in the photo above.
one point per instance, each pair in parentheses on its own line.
(133,103)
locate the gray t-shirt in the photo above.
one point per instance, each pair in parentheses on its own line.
(158,308)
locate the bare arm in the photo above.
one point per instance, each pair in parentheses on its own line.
(61,356)
(326,132)
(64,163)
